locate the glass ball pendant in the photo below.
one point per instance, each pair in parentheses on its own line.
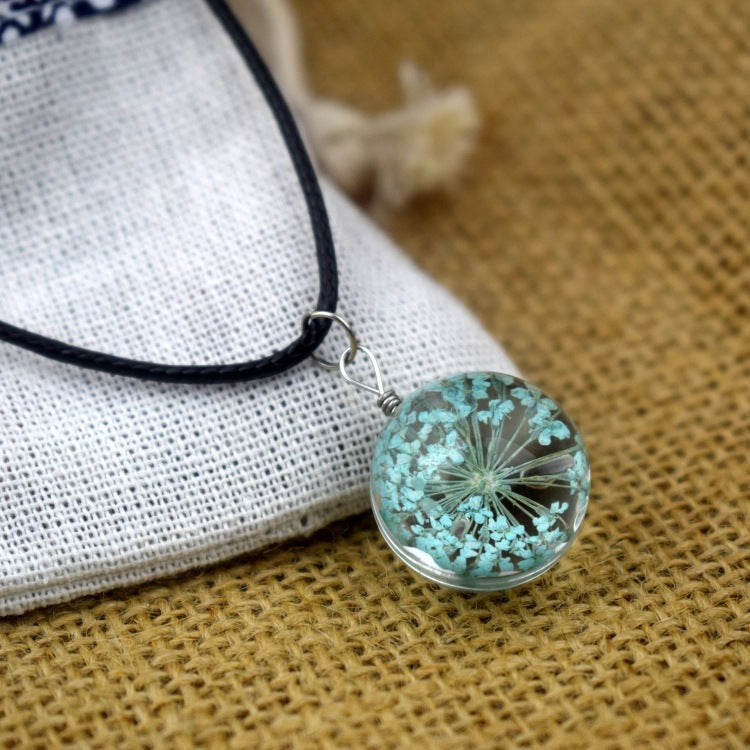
(480,481)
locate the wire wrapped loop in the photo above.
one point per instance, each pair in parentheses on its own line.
(388,402)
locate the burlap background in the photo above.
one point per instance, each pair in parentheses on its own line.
(602,235)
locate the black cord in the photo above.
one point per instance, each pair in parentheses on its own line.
(276,362)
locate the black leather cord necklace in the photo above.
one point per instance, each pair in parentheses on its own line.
(278,361)
(479,481)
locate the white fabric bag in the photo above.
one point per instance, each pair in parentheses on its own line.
(148,208)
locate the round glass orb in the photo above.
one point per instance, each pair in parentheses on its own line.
(480,481)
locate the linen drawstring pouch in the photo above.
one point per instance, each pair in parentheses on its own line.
(149,208)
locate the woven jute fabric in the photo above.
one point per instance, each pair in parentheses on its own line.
(602,234)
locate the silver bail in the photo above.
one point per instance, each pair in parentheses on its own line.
(388,401)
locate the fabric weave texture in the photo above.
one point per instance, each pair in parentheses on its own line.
(602,234)
(151,210)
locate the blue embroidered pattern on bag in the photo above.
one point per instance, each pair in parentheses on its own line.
(22,17)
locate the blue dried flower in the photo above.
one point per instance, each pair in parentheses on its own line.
(460,476)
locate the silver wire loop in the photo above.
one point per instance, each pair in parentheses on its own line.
(377,389)
(387,401)
(351,350)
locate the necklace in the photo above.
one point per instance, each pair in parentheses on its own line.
(479,481)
